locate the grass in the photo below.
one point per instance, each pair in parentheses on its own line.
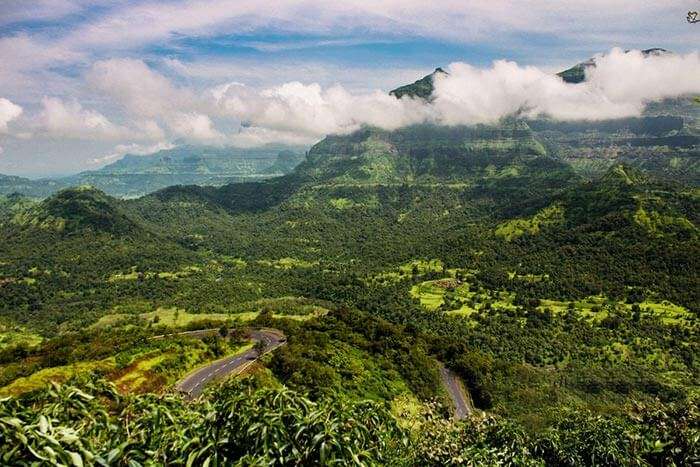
(173,317)
(56,374)
(288,263)
(408,411)
(420,266)
(178,318)
(510,230)
(527,277)
(15,335)
(342,203)
(667,312)
(459,298)
(134,274)
(140,373)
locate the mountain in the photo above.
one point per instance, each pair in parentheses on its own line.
(577,73)
(285,162)
(36,188)
(183,165)
(76,209)
(422,88)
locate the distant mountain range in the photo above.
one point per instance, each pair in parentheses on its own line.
(664,141)
(183,165)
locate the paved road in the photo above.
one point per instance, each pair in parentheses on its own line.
(457,392)
(193,384)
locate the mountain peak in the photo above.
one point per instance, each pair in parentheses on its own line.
(80,208)
(422,88)
(577,73)
(625,174)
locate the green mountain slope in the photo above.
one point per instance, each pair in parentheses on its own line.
(183,165)
(577,73)
(422,88)
(76,209)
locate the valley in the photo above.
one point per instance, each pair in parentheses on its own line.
(521,293)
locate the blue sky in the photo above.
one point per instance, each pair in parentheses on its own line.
(72,69)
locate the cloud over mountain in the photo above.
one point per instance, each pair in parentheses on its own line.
(619,85)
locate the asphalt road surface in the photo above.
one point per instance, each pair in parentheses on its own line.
(193,384)
(457,392)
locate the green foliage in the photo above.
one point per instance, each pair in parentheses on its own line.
(422,88)
(243,425)
(510,230)
(588,308)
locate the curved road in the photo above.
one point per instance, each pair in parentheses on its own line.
(193,384)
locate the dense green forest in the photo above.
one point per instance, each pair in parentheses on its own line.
(565,300)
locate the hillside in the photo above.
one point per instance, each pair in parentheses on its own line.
(136,175)
(577,73)
(382,257)
(422,88)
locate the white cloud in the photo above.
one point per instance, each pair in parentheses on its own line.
(140,89)
(195,127)
(59,119)
(8,112)
(620,86)
(121,150)
(314,111)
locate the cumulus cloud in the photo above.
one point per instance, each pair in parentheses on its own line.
(145,93)
(619,86)
(121,150)
(139,88)
(313,111)
(8,112)
(60,119)
(195,126)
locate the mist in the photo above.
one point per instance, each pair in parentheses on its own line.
(620,85)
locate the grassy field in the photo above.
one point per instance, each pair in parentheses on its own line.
(56,374)
(460,298)
(157,369)
(515,228)
(178,318)
(288,263)
(134,274)
(417,266)
(16,335)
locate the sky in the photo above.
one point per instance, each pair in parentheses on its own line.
(84,82)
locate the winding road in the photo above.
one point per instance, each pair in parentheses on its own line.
(194,383)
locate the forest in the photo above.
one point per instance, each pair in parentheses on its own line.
(565,302)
